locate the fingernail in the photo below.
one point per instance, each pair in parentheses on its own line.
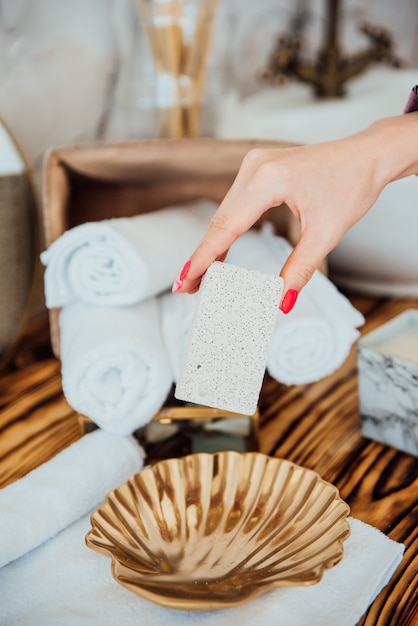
(179,280)
(289,300)
(184,271)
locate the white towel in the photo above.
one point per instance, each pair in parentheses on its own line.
(64,582)
(52,496)
(307,344)
(315,338)
(177,312)
(115,368)
(123,260)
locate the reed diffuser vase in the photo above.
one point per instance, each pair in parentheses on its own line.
(179,33)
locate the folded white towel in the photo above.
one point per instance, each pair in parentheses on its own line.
(51,497)
(64,582)
(115,368)
(123,260)
(315,338)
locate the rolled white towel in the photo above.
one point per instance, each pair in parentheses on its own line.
(177,312)
(320,288)
(306,347)
(115,368)
(315,338)
(307,344)
(123,260)
(54,495)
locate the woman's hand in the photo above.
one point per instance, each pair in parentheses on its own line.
(327,186)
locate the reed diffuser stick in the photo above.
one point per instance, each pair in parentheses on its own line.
(180,57)
(197,62)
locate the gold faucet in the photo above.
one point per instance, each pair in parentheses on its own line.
(331,70)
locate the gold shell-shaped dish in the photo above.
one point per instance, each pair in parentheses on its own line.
(210,531)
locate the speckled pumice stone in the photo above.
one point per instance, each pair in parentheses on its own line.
(226,355)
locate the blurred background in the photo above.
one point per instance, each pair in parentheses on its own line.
(83,71)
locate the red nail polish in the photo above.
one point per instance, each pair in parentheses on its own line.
(289,300)
(179,281)
(185,270)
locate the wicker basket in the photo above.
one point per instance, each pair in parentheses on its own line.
(100,181)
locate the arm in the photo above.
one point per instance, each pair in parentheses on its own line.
(327,186)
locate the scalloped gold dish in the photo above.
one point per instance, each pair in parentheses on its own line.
(210,531)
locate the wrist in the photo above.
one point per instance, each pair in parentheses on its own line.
(394,149)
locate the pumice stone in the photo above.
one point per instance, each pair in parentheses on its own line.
(226,354)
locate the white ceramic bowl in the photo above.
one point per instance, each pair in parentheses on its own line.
(379,254)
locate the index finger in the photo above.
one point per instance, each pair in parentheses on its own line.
(248,198)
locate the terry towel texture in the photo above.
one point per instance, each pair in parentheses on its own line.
(316,337)
(64,582)
(54,495)
(115,368)
(123,260)
(177,313)
(119,361)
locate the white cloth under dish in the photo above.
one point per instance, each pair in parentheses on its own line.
(65,488)
(115,368)
(64,582)
(315,338)
(123,260)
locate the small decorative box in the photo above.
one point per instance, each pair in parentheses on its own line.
(388,382)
